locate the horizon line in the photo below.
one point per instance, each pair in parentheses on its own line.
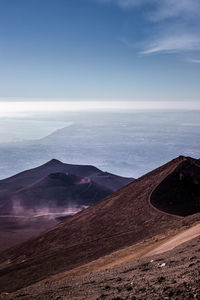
(84,106)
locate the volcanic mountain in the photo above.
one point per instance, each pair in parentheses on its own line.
(37,199)
(163,199)
(25,178)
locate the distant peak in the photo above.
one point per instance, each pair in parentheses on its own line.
(183,158)
(188,160)
(54,161)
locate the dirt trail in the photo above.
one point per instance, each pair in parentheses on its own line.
(143,278)
(178,239)
(156,245)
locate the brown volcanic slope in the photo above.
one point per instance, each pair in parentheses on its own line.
(120,220)
(36,199)
(137,279)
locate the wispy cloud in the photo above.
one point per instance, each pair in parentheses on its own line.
(161,9)
(193,60)
(124,3)
(173,43)
(172,21)
(183,9)
(127,42)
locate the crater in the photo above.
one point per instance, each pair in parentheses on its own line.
(179,192)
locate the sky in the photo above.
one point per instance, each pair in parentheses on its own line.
(105,49)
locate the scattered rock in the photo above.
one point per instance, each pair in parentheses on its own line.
(129,288)
(190,265)
(161,279)
(161,265)
(107,287)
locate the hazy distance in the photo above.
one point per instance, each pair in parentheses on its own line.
(126,138)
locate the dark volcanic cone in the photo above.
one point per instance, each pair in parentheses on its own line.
(29,177)
(36,199)
(120,220)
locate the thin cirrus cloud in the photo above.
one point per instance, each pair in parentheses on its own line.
(193,60)
(161,9)
(165,14)
(182,9)
(173,43)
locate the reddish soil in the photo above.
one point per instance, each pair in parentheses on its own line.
(120,220)
(170,275)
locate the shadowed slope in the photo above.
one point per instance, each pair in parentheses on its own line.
(117,221)
(179,193)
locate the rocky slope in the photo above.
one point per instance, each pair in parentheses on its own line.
(120,220)
(171,275)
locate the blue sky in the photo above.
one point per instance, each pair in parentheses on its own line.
(133,49)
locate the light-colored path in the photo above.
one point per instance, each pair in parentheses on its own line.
(178,239)
(158,244)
